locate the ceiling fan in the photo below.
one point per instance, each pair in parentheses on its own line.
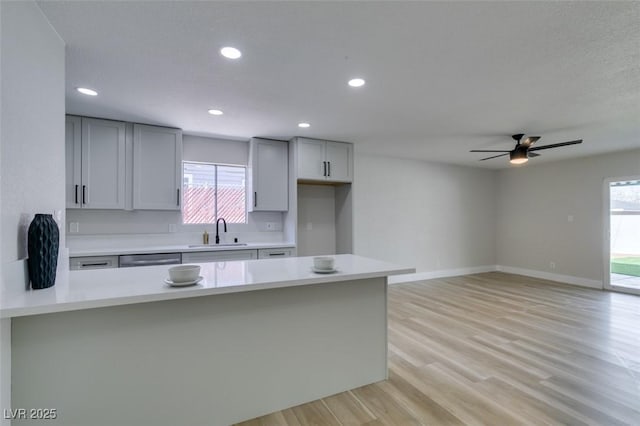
(524,149)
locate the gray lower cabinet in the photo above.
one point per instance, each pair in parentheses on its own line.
(218,256)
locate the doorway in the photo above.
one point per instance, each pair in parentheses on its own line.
(622,252)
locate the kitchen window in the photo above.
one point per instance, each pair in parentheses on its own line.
(212,191)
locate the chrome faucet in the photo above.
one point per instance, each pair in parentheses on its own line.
(217,233)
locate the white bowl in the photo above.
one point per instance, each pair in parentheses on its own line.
(323,263)
(184,273)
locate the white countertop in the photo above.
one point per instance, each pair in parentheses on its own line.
(87,289)
(172,249)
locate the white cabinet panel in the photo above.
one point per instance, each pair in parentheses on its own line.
(73,160)
(269,162)
(103,162)
(218,256)
(339,161)
(95,163)
(324,160)
(157,168)
(311,159)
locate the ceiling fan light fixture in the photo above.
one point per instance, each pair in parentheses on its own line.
(518,156)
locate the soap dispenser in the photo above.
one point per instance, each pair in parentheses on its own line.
(205,237)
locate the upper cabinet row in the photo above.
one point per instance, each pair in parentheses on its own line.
(97,176)
(328,161)
(268,172)
(117,165)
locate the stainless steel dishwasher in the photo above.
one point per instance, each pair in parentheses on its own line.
(131,260)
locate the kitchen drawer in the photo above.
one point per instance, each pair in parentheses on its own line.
(218,256)
(93,262)
(275,253)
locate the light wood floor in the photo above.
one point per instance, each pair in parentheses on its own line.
(496,349)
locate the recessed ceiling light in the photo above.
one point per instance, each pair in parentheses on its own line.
(215,112)
(304,125)
(356,82)
(230,52)
(86,91)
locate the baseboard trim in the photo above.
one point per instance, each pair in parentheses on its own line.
(419,276)
(565,279)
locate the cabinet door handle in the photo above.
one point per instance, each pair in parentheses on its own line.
(84,265)
(178,196)
(255,199)
(77,194)
(277,254)
(324,168)
(329,173)
(84,194)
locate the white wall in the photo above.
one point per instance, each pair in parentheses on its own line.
(316,220)
(430,216)
(533,209)
(32,159)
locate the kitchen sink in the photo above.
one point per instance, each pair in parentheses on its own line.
(217,245)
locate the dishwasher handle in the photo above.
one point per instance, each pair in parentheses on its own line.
(153,262)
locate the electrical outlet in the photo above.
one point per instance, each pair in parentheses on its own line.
(74,227)
(272,226)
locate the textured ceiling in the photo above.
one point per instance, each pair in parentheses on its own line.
(442,77)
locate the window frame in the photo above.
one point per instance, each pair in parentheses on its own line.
(216,165)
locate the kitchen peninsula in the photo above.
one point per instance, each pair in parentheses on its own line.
(118,346)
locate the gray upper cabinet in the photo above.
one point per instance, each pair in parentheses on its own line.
(268,175)
(339,157)
(95,169)
(324,160)
(157,168)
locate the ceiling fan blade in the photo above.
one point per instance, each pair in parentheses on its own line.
(556,145)
(533,154)
(495,156)
(530,140)
(490,150)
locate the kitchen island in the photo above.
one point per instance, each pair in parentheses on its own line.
(118,346)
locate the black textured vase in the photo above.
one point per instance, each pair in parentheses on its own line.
(44,239)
